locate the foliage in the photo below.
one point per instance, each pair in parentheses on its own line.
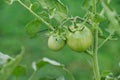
(54,15)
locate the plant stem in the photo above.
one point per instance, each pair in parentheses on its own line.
(95,47)
(95,57)
(33,75)
(37,16)
(94,6)
(69,73)
(108,38)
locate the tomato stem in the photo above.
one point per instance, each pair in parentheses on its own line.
(37,16)
(33,75)
(95,57)
(108,38)
(68,72)
(95,46)
(89,53)
(77,18)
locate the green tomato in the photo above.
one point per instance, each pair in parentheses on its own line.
(55,43)
(79,40)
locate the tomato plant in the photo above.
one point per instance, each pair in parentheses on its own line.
(82,36)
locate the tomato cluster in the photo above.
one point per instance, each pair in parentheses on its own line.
(78,38)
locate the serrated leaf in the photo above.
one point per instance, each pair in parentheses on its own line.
(55,8)
(9,67)
(19,71)
(32,28)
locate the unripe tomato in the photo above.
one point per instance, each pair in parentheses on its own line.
(55,43)
(79,40)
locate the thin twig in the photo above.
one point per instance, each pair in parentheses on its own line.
(89,53)
(75,18)
(107,39)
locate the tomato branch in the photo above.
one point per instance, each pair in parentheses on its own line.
(77,18)
(95,45)
(38,17)
(89,53)
(107,39)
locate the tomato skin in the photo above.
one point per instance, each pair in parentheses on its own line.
(55,43)
(80,40)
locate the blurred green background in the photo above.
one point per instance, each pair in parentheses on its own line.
(12,36)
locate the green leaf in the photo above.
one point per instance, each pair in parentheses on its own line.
(99,18)
(60,78)
(35,6)
(43,62)
(86,4)
(67,74)
(19,71)
(52,62)
(36,66)
(96,18)
(4,58)
(44,15)
(40,64)
(56,9)
(112,16)
(8,68)
(100,32)
(105,73)
(27,3)
(9,1)
(118,77)
(46,78)
(33,28)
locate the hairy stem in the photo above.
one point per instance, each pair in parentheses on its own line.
(95,57)
(95,47)
(37,16)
